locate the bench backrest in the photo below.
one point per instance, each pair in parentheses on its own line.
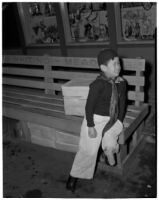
(49,73)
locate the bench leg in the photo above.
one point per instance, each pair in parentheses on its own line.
(134,138)
(24,131)
(121,155)
(127,162)
(128,151)
(10,128)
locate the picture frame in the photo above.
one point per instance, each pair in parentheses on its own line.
(85,22)
(39,23)
(136,21)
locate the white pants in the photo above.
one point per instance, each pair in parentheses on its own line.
(85,159)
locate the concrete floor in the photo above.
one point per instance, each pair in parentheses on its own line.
(31,170)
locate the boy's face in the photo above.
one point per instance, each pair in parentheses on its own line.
(112,69)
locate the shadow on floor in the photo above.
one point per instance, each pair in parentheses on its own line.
(30,171)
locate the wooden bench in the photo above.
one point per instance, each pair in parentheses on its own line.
(32,94)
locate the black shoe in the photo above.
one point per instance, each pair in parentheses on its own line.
(71,183)
(104,159)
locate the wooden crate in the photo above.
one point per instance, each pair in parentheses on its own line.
(75,94)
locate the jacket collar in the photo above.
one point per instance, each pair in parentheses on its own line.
(102,76)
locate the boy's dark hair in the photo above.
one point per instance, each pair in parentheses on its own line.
(105,55)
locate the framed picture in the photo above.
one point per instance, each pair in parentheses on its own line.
(39,23)
(85,22)
(138,21)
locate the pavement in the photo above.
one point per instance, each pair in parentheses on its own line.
(33,171)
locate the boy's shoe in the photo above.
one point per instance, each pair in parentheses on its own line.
(102,157)
(71,183)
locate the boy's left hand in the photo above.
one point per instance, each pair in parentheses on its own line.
(92,132)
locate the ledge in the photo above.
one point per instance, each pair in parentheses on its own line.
(137,42)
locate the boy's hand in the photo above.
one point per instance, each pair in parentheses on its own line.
(92,132)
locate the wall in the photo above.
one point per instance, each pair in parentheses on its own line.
(56,51)
(13,51)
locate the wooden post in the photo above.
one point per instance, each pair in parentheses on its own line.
(137,103)
(112,26)
(138,88)
(122,153)
(134,140)
(48,79)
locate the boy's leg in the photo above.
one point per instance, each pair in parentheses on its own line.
(109,141)
(85,159)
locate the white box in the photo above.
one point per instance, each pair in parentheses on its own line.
(75,94)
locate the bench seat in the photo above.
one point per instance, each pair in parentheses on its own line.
(48,110)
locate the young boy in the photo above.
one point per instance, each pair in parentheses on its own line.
(102,124)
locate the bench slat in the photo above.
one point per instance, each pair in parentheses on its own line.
(132,95)
(42,111)
(133,64)
(131,115)
(24,60)
(136,96)
(76,62)
(33,98)
(132,80)
(128,120)
(29,103)
(72,75)
(57,86)
(24,72)
(135,80)
(24,83)
(52,119)
(134,108)
(32,92)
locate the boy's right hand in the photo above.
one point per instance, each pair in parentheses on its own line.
(92,132)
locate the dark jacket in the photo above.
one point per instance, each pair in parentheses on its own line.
(98,101)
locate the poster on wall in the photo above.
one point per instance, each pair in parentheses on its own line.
(40,23)
(138,21)
(88,21)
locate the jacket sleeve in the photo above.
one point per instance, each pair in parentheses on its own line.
(122,101)
(93,95)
